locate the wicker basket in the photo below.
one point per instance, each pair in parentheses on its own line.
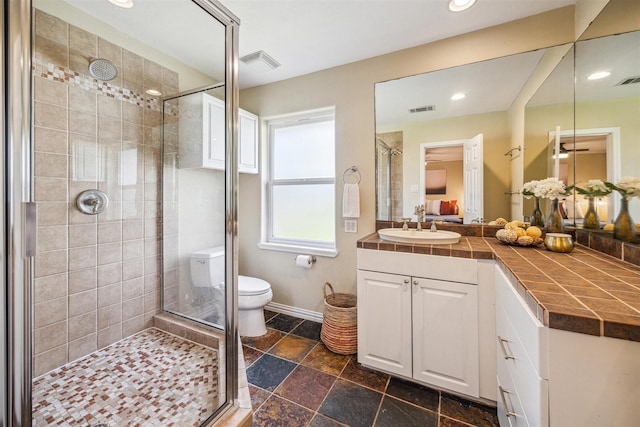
(340,322)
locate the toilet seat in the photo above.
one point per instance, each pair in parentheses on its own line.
(249,286)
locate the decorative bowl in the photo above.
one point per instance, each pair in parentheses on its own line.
(558,242)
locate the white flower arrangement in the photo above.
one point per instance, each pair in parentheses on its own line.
(548,188)
(593,188)
(628,187)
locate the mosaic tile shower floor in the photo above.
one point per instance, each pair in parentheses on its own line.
(149,379)
(295,381)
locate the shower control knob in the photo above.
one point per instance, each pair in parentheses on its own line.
(92,202)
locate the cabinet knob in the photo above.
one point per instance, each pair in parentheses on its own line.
(415,283)
(406,281)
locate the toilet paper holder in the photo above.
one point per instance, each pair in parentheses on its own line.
(305,260)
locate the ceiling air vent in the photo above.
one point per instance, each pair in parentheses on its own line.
(422,109)
(260,59)
(629,81)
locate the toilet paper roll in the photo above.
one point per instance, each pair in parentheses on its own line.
(304,261)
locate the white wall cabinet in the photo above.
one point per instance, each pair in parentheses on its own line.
(549,377)
(420,326)
(202,135)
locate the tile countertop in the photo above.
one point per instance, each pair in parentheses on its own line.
(583,291)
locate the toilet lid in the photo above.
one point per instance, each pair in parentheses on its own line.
(252,286)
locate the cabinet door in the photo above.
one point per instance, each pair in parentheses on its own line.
(445,335)
(213,131)
(248,146)
(384,321)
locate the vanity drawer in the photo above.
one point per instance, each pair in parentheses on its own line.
(510,412)
(512,357)
(532,334)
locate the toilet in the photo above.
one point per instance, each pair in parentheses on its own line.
(207,270)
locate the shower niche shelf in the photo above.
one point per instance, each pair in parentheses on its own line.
(202,136)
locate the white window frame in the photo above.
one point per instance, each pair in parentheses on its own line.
(268,241)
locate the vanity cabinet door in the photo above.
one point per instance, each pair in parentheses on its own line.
(445,335)
(384,321)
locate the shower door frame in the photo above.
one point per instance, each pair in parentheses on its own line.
(18,210)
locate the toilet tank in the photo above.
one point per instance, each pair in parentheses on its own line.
(207,267)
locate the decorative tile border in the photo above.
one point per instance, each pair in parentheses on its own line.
(55,73)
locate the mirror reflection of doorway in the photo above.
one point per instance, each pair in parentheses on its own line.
(460,162)
(596,155)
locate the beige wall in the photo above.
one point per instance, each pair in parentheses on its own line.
(351,89)
(455,182)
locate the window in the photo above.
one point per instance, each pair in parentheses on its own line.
(301,184)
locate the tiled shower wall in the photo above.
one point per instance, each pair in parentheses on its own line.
(395,142)
(97,277)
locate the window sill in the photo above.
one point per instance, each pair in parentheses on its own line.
(330,253)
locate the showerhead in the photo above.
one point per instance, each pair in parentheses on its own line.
(103,69)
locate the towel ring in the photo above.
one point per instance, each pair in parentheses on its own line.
(351,172)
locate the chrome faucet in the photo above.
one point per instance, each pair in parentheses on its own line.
(419,212)
(433,226)
(405,226)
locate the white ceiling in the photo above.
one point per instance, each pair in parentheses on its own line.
(304,36)
(311,35)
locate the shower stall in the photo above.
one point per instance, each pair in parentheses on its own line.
(389,176)
(102,107)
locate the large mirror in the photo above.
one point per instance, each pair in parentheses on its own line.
(421,132)
(598,120)
(608,114)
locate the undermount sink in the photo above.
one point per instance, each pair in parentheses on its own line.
(440,237)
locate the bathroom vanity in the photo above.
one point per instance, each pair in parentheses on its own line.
(553,339)
(428,318)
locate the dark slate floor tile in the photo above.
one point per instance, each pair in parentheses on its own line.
(450,422)
(258,396)
(351,404)
(364,376)
(306,386)
(264,342)
(414,393)
(394,412)
(269,371)
(325,360)
(322,421)
(308,329)
(277,412)
(268,314)
(284,322)
(250,355)
(470,412)
(293,348)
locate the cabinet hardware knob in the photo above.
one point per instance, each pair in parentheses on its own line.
(507,412)
(406,281)
(415,282)
(504,349)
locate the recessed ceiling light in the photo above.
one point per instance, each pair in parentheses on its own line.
(599,75)
(460,5)
(458,96)
(154,92)
(127,4)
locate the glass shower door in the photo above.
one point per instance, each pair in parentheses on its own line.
(109,230)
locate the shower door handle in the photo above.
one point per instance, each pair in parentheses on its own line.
(92,202)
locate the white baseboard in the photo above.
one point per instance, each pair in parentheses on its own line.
(294,311)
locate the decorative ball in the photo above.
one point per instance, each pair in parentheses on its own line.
(534,232)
